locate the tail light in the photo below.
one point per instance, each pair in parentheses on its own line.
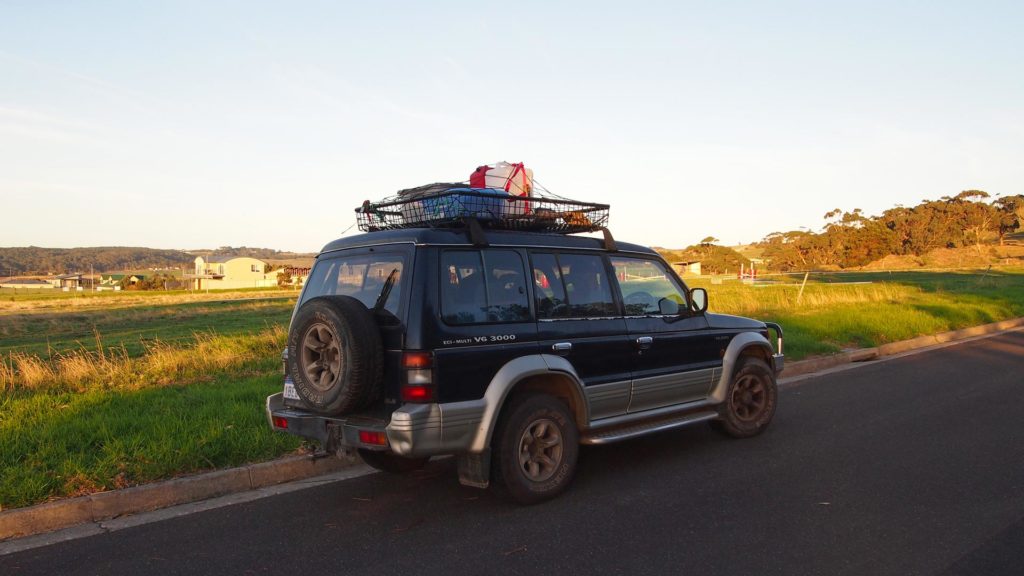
(419,377)
(280,422)
(374,438)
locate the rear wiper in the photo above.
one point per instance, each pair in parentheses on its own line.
(385,291)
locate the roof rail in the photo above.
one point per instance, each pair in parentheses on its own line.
(609,242)
(476,233)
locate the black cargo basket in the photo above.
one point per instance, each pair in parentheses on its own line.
(426,207)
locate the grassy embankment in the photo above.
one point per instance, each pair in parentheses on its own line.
(865,309)
(108,396)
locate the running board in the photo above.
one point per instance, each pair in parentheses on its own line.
(649,427)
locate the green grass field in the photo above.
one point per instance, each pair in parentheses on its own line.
(143,387)
(46,333)
(857,310)
(56,444)
(176,383)
(32,299)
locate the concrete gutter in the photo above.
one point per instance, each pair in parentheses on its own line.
(812,365)
(106,505)
(59,514)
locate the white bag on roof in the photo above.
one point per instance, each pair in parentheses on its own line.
(514,178)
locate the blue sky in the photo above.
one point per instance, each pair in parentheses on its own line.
(202,124)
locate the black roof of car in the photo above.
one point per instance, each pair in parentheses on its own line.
(460,237)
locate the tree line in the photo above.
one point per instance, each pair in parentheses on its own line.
(714,259)
(228,252)
(33,260)
(850,239)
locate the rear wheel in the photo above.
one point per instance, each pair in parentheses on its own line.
(391,462)
(750,400)
(536,445)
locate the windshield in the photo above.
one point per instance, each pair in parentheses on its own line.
(359,275)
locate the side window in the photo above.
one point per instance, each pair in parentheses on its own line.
(644,283)
(483,286)
(572,286)
(548,287)
(507,300)
(587,286)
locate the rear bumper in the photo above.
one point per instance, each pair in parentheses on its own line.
(415,430)
(331,433)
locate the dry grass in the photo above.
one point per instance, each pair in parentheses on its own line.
(161,364)
(46,332)
(752,301)
(59,302)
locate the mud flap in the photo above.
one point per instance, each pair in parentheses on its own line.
(475,469)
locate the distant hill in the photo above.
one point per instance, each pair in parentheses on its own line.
(33,260)
(714,259)
(228,252)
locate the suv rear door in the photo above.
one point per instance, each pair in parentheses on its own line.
(484,319)
(578,319)
(674,355)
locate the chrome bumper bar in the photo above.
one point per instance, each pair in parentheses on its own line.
(779,358)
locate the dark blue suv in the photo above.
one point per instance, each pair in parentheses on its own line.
(509,349)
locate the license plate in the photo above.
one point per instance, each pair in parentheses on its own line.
(289,389)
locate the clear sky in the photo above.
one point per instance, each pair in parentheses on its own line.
(202,124)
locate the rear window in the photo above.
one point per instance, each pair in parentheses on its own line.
(486,286)
(359,275)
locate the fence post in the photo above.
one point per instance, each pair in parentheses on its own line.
(802,285)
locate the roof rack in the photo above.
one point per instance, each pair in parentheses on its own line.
(438,206)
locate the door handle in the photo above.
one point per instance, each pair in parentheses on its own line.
(562,346)
(644,342)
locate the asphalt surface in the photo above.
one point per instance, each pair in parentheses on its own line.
(909,466)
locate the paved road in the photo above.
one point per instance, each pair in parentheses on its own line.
(909,466)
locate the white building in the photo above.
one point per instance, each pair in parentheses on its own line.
(241,272)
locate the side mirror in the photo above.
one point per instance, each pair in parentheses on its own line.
(698,300)
(667,307)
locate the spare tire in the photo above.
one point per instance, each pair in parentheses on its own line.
(335,355)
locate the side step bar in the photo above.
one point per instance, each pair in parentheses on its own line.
(648,427)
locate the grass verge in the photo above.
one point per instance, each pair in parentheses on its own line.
(90,421)
(859,310)
(57,444)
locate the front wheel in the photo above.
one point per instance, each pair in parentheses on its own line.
(750,401)
(536,446)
